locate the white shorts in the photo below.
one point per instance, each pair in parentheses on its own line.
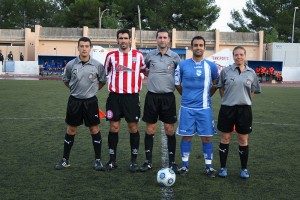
(192,121)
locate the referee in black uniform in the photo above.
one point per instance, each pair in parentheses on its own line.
(84,76)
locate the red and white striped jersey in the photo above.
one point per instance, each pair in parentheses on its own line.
(123,71)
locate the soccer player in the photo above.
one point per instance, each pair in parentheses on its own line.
(123,67)
(84,76)
(53,66)
(237,85)
(46,67)
(195,80)
(59,67)
(272,72)
(160,99)
(263,72)
(278,76)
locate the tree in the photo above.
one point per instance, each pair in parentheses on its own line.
(180,14)
(273,17)
(82,13)
(27,13)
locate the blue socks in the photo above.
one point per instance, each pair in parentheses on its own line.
(185,147)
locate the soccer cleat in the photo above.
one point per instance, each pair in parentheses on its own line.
(173,166)
(64,163)
(146,166)
(133,167)
(99,166)
(211,172)
(111,165)
(183,171)
(223,172)
(244,174)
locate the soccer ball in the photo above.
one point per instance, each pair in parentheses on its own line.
(166,177)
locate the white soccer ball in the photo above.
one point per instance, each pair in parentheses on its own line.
(166,177)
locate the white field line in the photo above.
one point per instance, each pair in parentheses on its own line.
(164,146)
(31,118)
(167,193)
(273,123)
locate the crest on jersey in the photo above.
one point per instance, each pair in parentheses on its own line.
(170,66)
(248,82)
(198,72)
(91,76)
(109,114)
(134,59)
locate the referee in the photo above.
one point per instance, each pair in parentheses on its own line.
(84,76)
(237,85)
(160,101)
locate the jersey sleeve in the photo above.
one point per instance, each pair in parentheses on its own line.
(147,61)
(255,87)
(178,75)
(142,65)
(101,74)
(221,78)
(214,71)
(107,65)
(67,73)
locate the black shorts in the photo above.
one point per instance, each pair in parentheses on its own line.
(239,115)
(123,106)
(160,106)
(79,110)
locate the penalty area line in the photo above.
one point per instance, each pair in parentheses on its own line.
(31,118)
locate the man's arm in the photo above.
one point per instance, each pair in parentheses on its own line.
(221,91)
(67,84)
(213,88)
(101,85)
(179,89)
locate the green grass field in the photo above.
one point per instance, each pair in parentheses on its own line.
(32,129)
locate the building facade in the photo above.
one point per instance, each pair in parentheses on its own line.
(52,41)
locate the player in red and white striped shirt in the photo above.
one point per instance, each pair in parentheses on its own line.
(123,68)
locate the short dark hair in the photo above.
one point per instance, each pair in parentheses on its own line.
(163,30)
(124,31)
(85,39)
(239,47)
(198,38)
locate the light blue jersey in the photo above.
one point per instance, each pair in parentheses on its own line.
(196,80)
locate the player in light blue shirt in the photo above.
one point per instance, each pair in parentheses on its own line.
(195,79)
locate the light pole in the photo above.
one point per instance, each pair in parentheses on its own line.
(294,24)
(100,16)
(140,26)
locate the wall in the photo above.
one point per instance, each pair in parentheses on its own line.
(289,54)
(16,50)
(22,67)
(57,41)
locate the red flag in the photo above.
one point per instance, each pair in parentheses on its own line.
(101,114)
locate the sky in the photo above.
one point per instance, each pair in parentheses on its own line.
(225,17)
